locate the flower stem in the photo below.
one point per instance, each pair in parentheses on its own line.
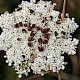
(63,12)
(59,76)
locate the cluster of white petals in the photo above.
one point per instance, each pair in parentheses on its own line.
(15,41)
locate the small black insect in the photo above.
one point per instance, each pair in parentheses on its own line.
(56,34)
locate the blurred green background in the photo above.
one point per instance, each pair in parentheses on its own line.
(73,8)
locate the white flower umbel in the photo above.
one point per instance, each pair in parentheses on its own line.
(35,38)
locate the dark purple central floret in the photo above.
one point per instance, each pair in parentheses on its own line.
(31,28)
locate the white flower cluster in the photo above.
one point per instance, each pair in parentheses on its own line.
(35,38)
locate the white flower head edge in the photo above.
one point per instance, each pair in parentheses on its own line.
(35,38)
